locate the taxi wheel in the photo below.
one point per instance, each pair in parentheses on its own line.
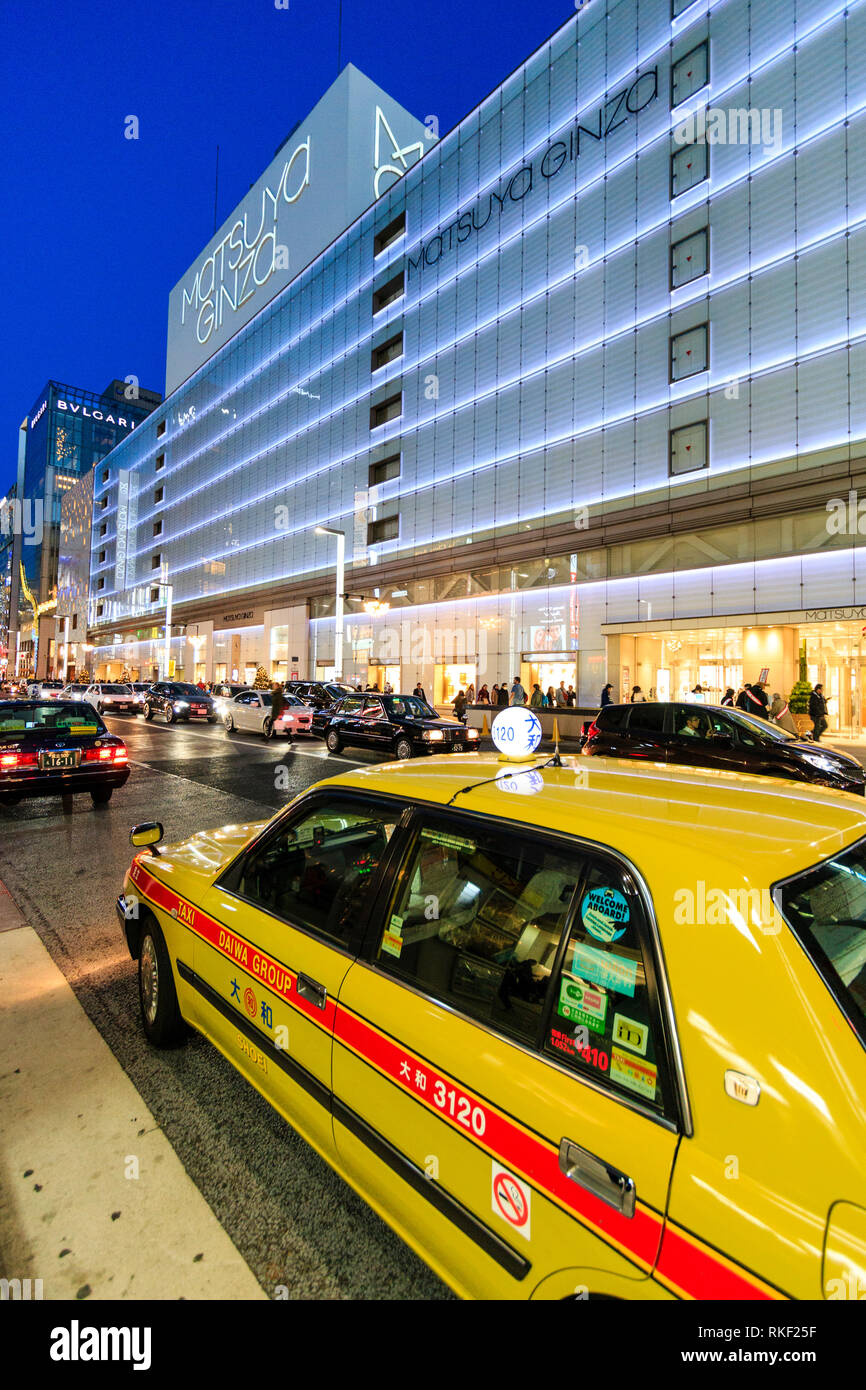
(267,726)
(229,724)
(100,709)
(156,992)
(403,749)
(147,712)
(169,714)
(101,796)
(334,742)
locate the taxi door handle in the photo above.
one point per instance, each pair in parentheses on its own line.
(313,992)
(598,1177)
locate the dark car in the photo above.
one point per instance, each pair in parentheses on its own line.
(400,725)
(51,748)
(178,701)
(322,695)
(707,736)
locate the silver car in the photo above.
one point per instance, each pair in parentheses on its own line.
(110,699)
(251,712)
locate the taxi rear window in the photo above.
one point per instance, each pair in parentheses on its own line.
(826,910)
(67,718)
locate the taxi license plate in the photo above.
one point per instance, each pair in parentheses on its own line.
(198,709)
(69,758)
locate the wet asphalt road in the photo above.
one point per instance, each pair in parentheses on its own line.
(294,1221)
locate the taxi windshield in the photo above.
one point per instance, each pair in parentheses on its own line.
(410,707)
(44,720)
(826,909)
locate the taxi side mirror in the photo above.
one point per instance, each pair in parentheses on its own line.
(147,836)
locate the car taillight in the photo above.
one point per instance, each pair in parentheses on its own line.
(592,731)
(106,755)
(11,760)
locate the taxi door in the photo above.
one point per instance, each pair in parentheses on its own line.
(273,941)
(503,1086)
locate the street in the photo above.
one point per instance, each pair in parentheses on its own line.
(292,1219)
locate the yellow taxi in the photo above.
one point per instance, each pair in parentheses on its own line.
(572,1032)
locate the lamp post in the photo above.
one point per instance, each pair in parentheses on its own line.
(164,584)
(338,609)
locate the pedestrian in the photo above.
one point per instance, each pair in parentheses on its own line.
(728,698)
(459,705)
(780,714)
(278,704)
(755,700)
(502,697)
(607,695)
(389,689)
(637,696)
(483,696)
(818,712)
(494,695)
(562,695)
(743,700)
(571,697)
(518,694)
(470,695)
(419,690)
(550,697)
(536,699)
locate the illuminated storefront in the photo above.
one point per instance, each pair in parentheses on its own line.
(582,384)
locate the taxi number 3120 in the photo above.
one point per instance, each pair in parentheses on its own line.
(464,1112)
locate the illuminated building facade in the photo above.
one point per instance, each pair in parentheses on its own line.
(582,389)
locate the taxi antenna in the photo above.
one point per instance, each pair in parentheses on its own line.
(556,760)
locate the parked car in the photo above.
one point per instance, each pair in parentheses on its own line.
(177,701)
(139,691)
(54,748)
(48,689)
(400,725)
(112,699)
(223,694)
(707,736)
(74,691)
(250,711)
(620,988)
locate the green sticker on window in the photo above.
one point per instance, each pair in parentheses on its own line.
(582,1004)
(396,925)
(442,837)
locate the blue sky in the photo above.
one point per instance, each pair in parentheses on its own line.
(99,228)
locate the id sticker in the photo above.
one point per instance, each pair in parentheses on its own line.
(604,912)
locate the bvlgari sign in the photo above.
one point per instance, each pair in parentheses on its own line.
(353,145)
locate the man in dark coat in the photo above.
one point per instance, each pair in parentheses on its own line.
(818,711)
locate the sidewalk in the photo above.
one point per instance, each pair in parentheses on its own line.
(93,1199)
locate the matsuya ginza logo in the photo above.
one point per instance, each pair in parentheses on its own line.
(248,254)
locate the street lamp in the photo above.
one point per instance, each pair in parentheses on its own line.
(338,610)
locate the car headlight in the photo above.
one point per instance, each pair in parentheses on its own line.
(818,760)
(181,704)
(433,735)
(471,733)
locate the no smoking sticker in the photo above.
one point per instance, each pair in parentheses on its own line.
(511,1200)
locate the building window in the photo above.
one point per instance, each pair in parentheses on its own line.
(160,429)
(690,258)
(157,528)
(386,529)
(104,503)
(385,469)
(154,595)
(105,475)
(100,583)
(389,293)
(389,234)
(386,352)
(689,352)
(100,609)
(160,462)
(158,494)
(679,7)
(690,165)
(386,410)
(74,621)
(103,530)
(690,73)
(102,555)
(688,448)
(155,562)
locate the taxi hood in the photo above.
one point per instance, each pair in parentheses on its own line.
(205,853)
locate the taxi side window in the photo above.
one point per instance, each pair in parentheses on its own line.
(603,1022)
(317,872)
(477,919)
